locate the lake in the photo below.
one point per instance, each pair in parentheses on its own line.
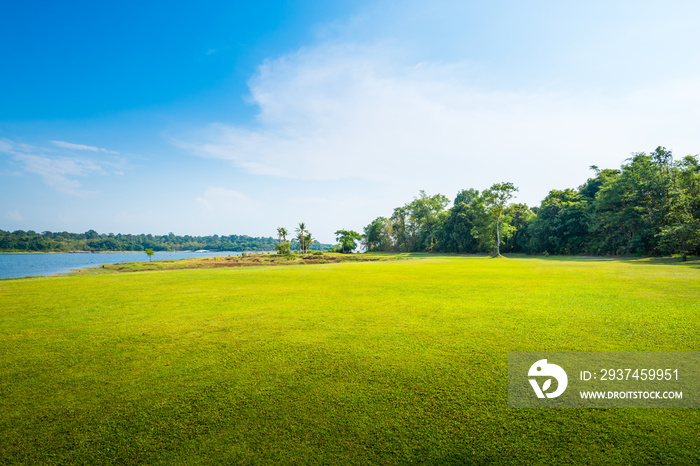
(32,265)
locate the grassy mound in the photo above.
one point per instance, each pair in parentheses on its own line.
(247,260)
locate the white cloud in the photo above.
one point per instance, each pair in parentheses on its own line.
(528,94)
(70,145)
(334,112)
(14,216)
(58,171)
(226,201)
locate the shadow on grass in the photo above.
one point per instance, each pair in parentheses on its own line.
(692,261)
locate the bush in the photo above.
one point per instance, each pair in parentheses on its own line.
(318,253)
(284,248)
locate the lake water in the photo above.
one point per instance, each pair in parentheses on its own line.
(32,265)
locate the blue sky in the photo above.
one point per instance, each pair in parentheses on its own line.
(239,117)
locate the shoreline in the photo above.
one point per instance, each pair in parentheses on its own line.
(73,252)
(19,265)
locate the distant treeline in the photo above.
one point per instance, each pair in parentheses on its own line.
(30,241)
(650,206)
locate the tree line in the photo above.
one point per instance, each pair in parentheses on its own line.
(47,241)
(649,206)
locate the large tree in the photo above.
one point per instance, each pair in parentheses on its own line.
(633,207)
(680,238)
(681,232)
(398,228)
(347,239)
(561,225)
(456,232)
(521,216)
(377,235)
(426,216)
(496,200)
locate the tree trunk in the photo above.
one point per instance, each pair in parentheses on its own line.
(498,236)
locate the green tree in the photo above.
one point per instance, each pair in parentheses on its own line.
(688,180)
(398,229)
(561,224)
(681,234)
(521,216)
(149,253)
(590,188)
(283,248)
(347,240)
(483,232)
(303,238)
(456,233)
(425,218)
(631,209)
(377,235)
(496,200)
(680,238)
(282,234)
(309,241)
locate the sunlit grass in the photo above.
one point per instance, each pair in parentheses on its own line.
(375,362)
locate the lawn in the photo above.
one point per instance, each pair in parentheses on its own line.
(336,363)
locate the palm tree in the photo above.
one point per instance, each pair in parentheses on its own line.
(308,241)
(282,235)
(301,237)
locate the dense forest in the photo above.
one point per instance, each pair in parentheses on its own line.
(650,206)
(30,241)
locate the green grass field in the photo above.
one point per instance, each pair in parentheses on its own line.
(350,363)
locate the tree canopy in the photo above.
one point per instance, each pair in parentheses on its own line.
(347,240)
(649,206)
